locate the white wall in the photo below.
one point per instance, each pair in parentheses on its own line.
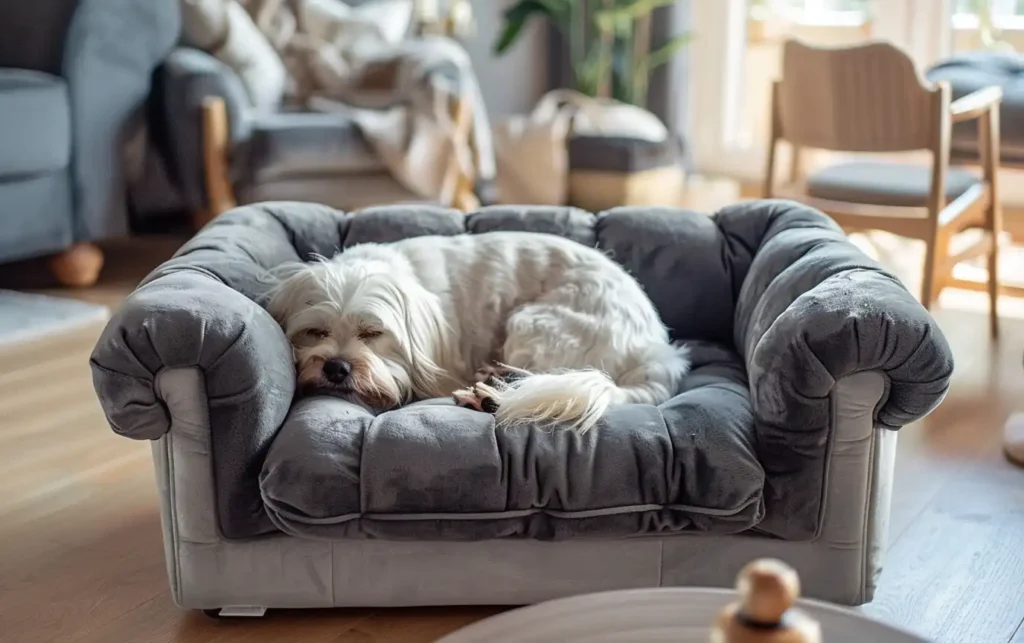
(512,83)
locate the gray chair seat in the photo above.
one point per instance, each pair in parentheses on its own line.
(341,190)
(35,123)
(885,184)
(288,145)
(976,70)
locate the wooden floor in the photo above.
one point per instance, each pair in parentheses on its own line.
(81,557)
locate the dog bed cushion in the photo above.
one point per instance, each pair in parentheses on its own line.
(776,302)
(435,471)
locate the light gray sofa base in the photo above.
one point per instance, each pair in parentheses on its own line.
(207,571)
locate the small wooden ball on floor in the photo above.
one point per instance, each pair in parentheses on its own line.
(764,612)
(78,266)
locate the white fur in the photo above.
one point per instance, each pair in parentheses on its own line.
(419,317)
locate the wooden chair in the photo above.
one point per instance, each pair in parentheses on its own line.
(870,98)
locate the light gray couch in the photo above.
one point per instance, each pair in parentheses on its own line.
(807,359)
(74,75)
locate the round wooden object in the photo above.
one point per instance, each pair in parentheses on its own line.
(676,615)
(1013,444)
(767,588)
(78,266)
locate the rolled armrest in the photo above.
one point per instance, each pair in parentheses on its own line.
(188,319)
(812,310)
(186,79)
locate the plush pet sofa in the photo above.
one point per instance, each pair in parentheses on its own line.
(808,357)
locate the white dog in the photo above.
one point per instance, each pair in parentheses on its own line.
(383,324)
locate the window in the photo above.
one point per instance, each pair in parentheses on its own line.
(812,12)
(1000,14)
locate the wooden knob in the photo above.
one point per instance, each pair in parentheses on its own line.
(764,613)
(767,588)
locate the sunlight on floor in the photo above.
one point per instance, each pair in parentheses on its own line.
(905,257)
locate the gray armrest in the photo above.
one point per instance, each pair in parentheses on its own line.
(110,52)
(190,317)
(812,310)
(182,83)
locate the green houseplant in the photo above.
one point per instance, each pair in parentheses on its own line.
(609,42)
(988,32)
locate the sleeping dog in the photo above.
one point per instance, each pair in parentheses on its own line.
(534,328)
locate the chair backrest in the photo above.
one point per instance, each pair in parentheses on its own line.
(867,98)
(32,33)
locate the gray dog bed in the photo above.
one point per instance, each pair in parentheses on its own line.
(776,304)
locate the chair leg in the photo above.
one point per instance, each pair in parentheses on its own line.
(995,228)
(988,134)
(219,193)
(457,184)
(78,266)
(936,254)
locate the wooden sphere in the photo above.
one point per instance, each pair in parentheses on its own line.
(767,589)
(78,266)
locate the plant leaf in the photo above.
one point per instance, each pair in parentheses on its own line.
(516,17)
(666,52)
(636,8)
(587,73)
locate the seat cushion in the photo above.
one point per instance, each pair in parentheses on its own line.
(435,471)
(891,184)
(343,190)
(971,71)
(35,123)
(36,215)
(299,145)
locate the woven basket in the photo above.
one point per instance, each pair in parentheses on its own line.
(605,172)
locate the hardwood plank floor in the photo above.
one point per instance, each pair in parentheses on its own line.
(81,557)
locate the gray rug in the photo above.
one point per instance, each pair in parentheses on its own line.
(25,317)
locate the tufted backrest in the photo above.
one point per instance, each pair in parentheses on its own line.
(688,266)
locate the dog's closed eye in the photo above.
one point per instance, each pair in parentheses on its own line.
(369,334)
(317,333)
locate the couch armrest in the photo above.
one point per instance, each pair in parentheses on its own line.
(187,78)
(812,310)
(188,319)
(110,52)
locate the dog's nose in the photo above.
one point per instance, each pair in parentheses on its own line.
(337,370)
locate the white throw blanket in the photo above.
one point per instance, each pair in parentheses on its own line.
(395,89)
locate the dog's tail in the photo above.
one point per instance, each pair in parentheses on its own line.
(578,399)
(574,398)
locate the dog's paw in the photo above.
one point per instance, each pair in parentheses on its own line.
(467,399)
(479,397)
(488,397)
(498,374)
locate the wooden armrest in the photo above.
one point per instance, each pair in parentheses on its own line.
(975,104)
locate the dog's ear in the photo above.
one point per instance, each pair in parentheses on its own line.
(428,335)
(288,288)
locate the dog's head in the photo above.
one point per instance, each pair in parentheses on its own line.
(361,329)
